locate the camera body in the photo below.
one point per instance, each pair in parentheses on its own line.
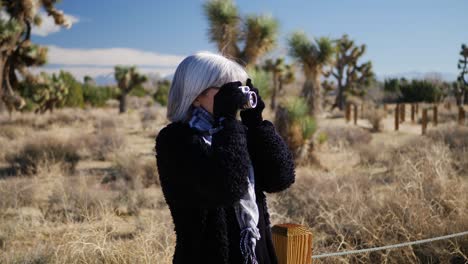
(250,98)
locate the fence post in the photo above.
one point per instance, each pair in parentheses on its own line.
(461,115)
(417,108)
(355,113)
(293,243)
(348,112)
(402,112)
(412,112)
(436,119)
(424,121)
(397,117)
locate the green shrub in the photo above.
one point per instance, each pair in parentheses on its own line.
(74,98)
(98,95)
(162,93)
(138,91)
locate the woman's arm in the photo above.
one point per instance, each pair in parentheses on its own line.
(271,158)
(194,174)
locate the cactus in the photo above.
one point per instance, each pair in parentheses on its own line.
(350,76)
(259,33)
(17,53)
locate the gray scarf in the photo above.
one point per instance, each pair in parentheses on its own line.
(246,209)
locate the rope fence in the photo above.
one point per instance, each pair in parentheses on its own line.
(405,244)
(293,244)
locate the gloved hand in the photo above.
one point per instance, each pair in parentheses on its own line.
(253,117)
(228,100)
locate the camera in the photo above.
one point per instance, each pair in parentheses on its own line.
(250,98)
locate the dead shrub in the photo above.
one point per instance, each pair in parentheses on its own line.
(16,192)
(135,171)
(44,151)
(101,144)
(347,136)
(375,117)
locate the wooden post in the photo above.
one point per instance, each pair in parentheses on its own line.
(402,113)
(412,113)
(417,108)
(461,116)
(362,110)
(348,112)
(436,119)
(397,117)
(385,108)
(355,113)
(293,244)
(424,121)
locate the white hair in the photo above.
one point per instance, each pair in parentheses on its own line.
(194,75)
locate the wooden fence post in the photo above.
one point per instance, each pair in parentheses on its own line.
(412,113)
(402,112)
(397,117)
(417,108)
(355,113)
(348,112)
(424,121)
(436,119)
(385,108)
(293,244)
(461,115)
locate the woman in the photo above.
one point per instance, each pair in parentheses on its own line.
(215,169)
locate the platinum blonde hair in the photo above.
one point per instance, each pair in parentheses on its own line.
(194,75)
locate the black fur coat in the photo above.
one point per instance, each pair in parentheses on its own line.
(201,184)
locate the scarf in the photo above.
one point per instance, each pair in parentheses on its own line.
(246,208)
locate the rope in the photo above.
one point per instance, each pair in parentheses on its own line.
(366,250)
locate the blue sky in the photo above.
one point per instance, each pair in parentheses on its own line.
(401,36)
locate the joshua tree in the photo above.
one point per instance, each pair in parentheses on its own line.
(314,57)
(350,76)
(275,67)
(16,50)
(127,78)
(286,76)
(461,88)
(227,30)
(49,92)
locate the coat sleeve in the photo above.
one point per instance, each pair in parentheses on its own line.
(271,158)
(196,175)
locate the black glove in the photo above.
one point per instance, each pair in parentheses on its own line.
(253,117)
(228,100)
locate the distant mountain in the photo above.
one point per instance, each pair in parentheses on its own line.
(446,76)
(108,79)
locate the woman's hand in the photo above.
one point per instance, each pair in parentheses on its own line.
(253,117)
(228,100)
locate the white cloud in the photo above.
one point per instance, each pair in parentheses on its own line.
(48,25)
(101,62)
(81,72)
(110,57)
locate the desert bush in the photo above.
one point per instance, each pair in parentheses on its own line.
(43,151)
(347,136)
(97,96)
(296,127)
(375,117)
(12,132)
(162,94)
(16,192)
(102,144)
(137,172)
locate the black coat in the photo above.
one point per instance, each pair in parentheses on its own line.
(201,184)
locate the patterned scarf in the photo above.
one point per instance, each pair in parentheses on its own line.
(246,209)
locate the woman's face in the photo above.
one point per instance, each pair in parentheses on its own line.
(206,99)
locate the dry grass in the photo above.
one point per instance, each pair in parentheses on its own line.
(404,194)
(371,194)
(43,151)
